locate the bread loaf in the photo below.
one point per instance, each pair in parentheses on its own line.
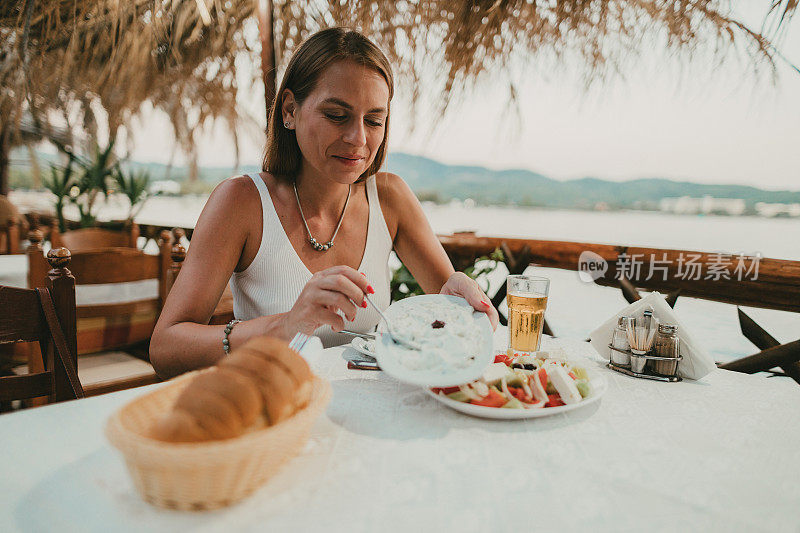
(263,382)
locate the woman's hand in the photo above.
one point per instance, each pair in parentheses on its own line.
(338,288)
(459,284)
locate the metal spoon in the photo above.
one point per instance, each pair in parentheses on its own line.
(411,345)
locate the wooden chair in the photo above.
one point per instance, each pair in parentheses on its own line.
(80,240)
(47,316)
(10,238)
(117,334)
(12,226)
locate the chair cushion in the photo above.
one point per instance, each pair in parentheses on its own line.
(106,368)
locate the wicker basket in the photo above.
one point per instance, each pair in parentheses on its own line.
(206,475)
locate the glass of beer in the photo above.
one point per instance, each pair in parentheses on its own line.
(527,300)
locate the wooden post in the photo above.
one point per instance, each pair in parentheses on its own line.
(5,147)
(13,236)
(178,255)
(55,235)
(37,266)
(61,283)
(266,28)
(164,250)
(134,235)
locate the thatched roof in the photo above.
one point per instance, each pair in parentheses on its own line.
(58,56)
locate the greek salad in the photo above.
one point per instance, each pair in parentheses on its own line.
(516,381)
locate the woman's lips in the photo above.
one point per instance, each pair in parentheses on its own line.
(348,161)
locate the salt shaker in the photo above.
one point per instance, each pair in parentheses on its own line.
(666,344)
(619,340)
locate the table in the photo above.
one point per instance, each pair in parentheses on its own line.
(720,454)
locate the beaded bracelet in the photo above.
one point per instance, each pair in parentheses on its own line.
(226,344)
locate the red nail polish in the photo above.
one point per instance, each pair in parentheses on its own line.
(370,290)
(363,274)
(364,304)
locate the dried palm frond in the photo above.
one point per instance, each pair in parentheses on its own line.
(63,57)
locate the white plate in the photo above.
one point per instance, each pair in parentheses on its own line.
(362,346)
(597,381)
(386,351)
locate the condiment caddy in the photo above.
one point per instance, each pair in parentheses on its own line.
(643,348)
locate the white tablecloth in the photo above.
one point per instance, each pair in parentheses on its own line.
(722,454)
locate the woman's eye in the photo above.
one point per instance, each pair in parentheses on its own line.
(374,123)
(335,117)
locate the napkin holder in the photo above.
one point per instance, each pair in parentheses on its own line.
(695,362)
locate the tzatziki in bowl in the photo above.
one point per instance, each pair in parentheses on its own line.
(455,341)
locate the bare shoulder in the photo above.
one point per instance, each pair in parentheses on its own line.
(394,192)
(233,196)
(235,191)
(398,201)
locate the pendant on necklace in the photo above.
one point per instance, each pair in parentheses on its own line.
(320,247)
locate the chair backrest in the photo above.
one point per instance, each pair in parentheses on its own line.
(80,240)
(105,326)
(46,316)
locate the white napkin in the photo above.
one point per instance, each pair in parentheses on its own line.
(696,361)
(312,349)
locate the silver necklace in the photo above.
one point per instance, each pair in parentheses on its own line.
(317,246)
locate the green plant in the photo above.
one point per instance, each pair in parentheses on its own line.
(403,284)
(136,186)
(93,182)
(59,182)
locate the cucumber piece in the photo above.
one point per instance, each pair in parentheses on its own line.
(583,387)
(513,404)
(514,380)
(458,396)
(580,372)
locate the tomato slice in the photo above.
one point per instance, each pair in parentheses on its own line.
(572,375)
(555,400)
(493,399)
(519,394)
(502,358)
(445,390)
(543,377)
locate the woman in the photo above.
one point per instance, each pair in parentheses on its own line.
(304,241)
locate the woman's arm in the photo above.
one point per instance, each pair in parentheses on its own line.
(420,250)
(182,340)
(227,238)
(414,241)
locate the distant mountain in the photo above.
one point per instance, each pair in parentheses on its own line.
(523,187)
(440,182)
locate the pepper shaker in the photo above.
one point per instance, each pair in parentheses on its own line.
(666,344)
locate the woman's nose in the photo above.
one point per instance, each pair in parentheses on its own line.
(355,134)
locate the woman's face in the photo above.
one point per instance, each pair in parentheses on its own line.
(340,125)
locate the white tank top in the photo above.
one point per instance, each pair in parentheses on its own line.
(275,278)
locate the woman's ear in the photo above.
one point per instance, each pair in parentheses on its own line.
(288,106)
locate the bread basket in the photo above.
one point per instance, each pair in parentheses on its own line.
(205,475)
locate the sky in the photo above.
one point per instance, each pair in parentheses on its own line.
(664,117)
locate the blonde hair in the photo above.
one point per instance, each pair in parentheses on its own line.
(282,156)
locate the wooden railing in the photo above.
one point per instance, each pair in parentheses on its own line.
(747,281)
